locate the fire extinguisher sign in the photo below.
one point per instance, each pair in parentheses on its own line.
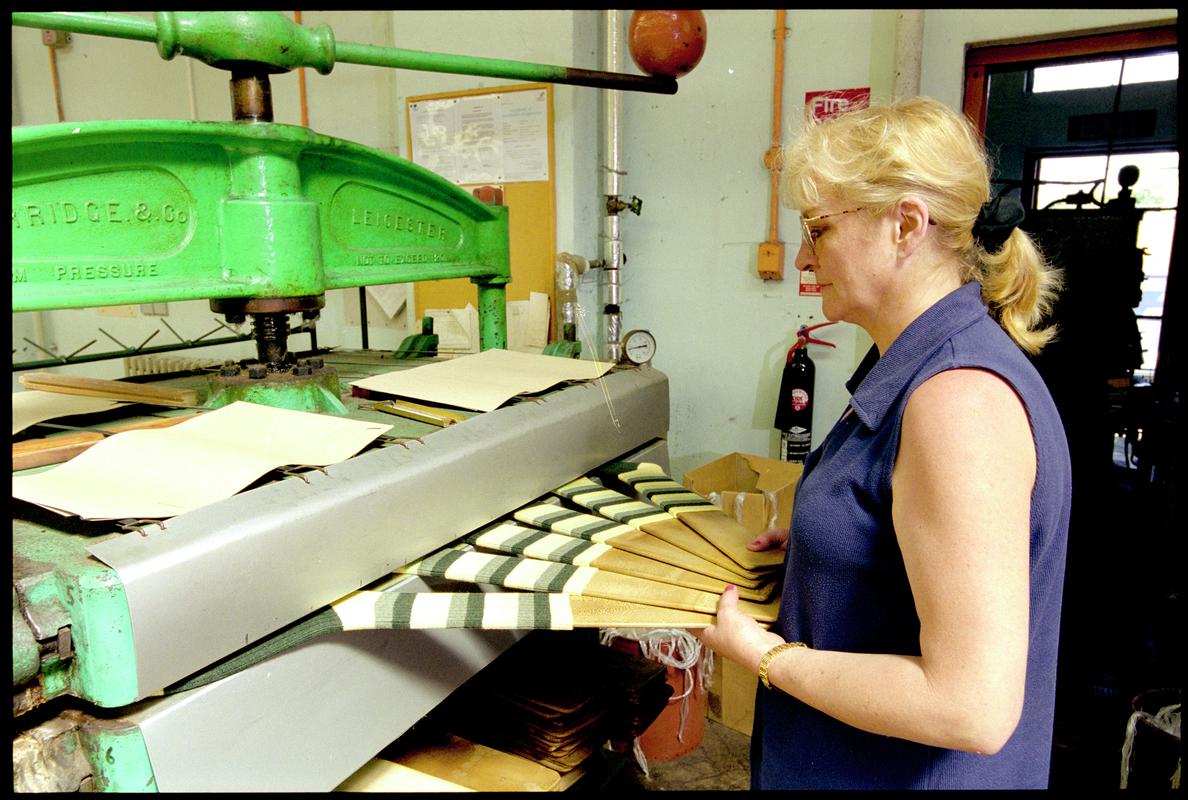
(823,105)
(829,103)
(808,284)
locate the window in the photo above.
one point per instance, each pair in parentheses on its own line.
(1095,74)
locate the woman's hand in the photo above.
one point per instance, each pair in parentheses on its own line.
(736,636)
(770,539)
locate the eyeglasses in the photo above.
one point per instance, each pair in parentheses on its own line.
(810,236)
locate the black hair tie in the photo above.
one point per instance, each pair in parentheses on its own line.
(995,222)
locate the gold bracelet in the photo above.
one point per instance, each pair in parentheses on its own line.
(765,662)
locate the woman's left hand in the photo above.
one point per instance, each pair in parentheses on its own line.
(736,636)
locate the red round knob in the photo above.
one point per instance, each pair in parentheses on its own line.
(666,43)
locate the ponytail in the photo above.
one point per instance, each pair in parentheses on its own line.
(1019,288)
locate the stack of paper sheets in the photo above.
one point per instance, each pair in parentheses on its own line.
(155,474)
(483,381)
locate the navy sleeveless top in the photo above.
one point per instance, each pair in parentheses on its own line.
(846,588)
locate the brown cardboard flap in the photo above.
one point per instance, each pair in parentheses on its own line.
(750,509)
(755,490)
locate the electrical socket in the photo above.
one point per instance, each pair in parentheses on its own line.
(55,38)
(771,261)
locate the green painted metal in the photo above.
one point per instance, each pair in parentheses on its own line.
(567,346)
(400,58)
(97,23)
(119,757)
(124,212)
(220,38)
(318,393)
(564,349)
(419,345)
(26,654)
(492,309)
(61,584)
(270,38)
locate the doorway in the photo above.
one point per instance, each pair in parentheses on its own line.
(1083,128)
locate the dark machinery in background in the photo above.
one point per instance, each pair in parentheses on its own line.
(1120,634)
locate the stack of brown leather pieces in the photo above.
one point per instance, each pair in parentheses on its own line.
(555,698)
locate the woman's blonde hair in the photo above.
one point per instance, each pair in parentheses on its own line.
(874,157)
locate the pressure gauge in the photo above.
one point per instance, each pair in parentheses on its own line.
(639,347)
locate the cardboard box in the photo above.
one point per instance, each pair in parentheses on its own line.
(730,700)
(757,491)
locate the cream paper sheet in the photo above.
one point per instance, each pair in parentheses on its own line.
(483,381)
(152,474)
(33,405)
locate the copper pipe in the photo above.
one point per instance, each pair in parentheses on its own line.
(772,161)
(301,84)
(53,59)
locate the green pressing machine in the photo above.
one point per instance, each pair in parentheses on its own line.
(261,219)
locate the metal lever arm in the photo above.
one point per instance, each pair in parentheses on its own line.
(222,38)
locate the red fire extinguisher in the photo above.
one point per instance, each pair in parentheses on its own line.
(794,412)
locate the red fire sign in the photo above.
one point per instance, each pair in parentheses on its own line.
(831,102)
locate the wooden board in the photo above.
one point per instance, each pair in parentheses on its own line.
(508,537)
(716,527)
(478,768)
(622,537)
(654,520)
(536,575)
(109,390)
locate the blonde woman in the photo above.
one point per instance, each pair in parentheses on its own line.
(917,638)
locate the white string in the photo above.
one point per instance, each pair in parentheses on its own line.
(1167,720)
(640,758)
(585,334)
(674,648)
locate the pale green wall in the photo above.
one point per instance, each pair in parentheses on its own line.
(694,158)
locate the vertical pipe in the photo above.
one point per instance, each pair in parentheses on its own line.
(301,83)
(363,313)
(53,59)
(777,124)
(193,90)
(612,171)
(40,318)
(909,47)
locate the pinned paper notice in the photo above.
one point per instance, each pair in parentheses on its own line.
(484,381)
(528,323)
(153,474)
(390,296)
(457,329)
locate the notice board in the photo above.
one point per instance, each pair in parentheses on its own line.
(501,136)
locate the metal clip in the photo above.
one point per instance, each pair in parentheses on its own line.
(138,525)
(614,205)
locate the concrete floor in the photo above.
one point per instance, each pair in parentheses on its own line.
(720,763)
